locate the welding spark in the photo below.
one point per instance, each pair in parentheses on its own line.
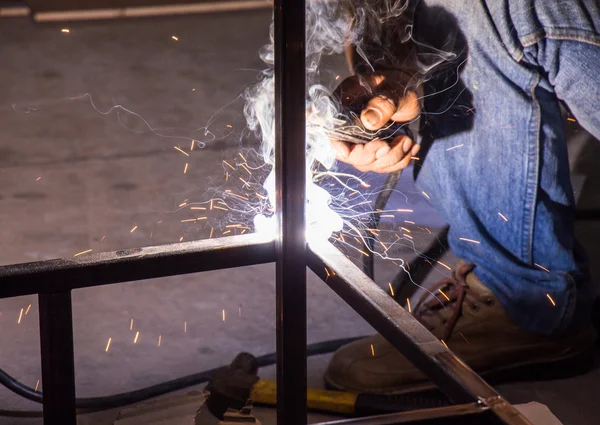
(405,229)
(137,335)
(426,195)
(211,233)
(465,338)
(445,345)
(415,158)
(571,119)
(198,208)
(246,168)
(38,179)
(229,126)
(65,30)
(240,311)
(443,265)
(202,218)
(82,252)
(409,222)
(228,164)
(108,344)
(181,239)
(542,267)
(221,208)
(502,216)
(175,38)
(444,294)
(131,325)
(184,327)
(27,311)
(242,156)
(408,305)
(223,315)
(188,220)
(455,147)
(37,385)
(469,240)
(159,340)
(551,300)
(192,145)
(182,151)
(372,350)
(391,289)
(186,168)
(20,317)
(133,230)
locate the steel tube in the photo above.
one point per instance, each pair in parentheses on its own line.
(290,172)
(461,413)
(134,264)
(58,364)
(401,329)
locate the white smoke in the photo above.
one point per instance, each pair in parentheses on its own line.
(327,29)
(382,33)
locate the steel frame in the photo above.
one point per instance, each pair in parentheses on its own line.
(54,280)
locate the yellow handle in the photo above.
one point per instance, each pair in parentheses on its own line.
(265,392)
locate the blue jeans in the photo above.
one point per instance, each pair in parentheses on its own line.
(505,188)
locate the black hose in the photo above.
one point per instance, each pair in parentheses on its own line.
(118,400)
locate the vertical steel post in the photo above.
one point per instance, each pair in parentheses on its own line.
(58,364)
(290,174)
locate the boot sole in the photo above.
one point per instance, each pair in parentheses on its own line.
(540,370)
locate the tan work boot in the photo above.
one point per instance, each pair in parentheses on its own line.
(468,317)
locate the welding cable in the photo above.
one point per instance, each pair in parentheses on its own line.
(123,399)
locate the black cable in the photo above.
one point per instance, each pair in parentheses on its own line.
(122,399)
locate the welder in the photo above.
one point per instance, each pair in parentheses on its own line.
(491,158)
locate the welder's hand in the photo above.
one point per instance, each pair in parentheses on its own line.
(381,97)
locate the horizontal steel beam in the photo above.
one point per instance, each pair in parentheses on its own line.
(134,264)
(402,330)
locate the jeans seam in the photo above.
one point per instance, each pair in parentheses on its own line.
(532,178)
(531,39)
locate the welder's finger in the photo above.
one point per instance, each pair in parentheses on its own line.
(408,108)
(398,148)
(362,155)
(404,162)
(379,110)
(342,149)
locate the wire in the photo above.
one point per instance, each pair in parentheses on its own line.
(122,399)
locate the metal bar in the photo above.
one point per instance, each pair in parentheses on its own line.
(290,180)
(134,264)
(58,364)
(400,328)
(439,415)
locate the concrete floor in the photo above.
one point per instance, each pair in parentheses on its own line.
(78,173)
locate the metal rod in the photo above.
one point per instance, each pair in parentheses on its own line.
(58,364)
(134,264)
(290,175)
(401,329)
(441,415)
(380,203)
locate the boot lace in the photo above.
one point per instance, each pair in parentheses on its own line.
(451,292)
